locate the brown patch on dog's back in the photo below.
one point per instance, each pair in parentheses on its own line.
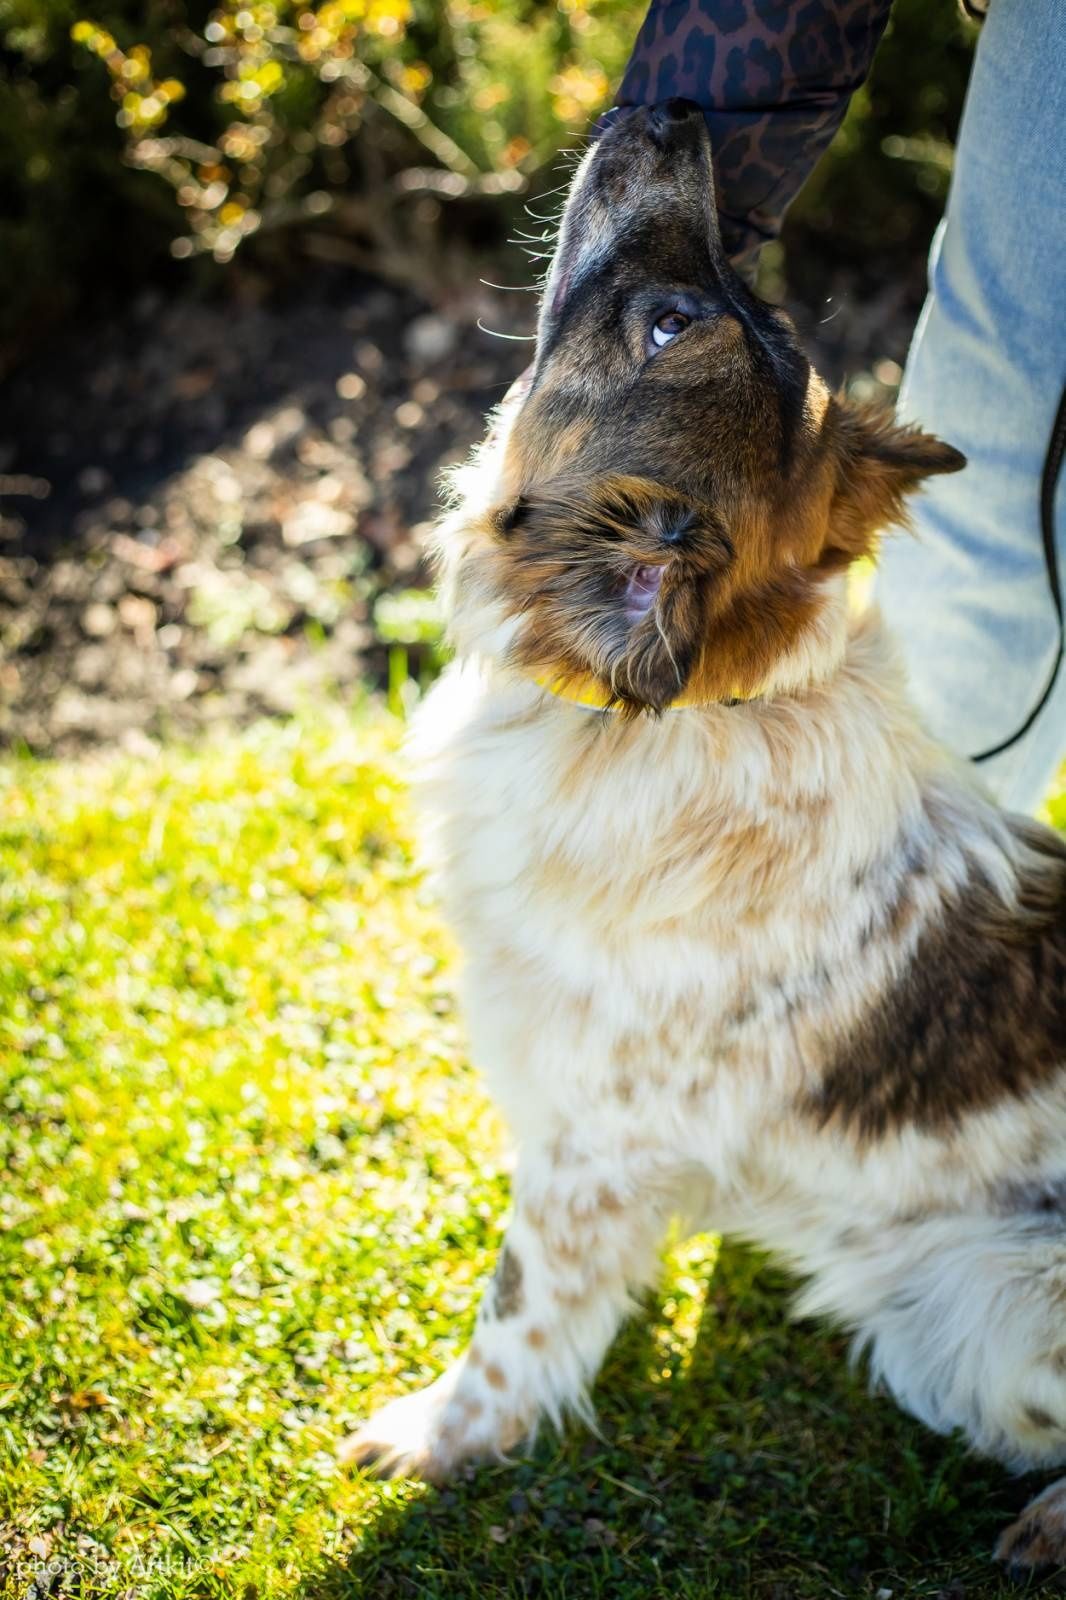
(978,1015)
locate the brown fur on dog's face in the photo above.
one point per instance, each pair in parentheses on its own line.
(678,482)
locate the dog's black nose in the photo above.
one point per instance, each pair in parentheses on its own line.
(666,120)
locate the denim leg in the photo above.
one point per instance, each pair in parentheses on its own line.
(968,599)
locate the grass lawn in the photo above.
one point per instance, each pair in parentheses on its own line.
(250,1187)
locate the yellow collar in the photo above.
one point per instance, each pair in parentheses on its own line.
(591,694)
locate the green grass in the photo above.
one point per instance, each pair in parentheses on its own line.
(250,1187)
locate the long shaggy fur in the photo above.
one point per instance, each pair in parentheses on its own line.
(779,966)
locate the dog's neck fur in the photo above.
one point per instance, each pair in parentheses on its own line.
(834,705)
(649,813)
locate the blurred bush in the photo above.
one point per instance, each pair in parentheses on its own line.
(137,132)
(878,194)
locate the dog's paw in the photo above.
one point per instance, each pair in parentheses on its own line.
(408,1438)
(429,1435)
(1038,1538)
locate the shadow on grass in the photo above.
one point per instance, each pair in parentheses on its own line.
(752,1463)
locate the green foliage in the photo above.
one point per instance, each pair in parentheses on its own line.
(883,183)
(409,621)
(66,198)
(250,1189)
(131,130)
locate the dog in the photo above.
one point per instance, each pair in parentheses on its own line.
(743,943)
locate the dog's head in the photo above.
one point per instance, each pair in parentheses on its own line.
(675,489)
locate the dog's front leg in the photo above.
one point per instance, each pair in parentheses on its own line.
(585,1232)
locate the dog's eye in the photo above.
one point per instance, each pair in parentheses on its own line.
(668,326)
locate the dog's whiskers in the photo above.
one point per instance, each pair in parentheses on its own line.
(552,217)
(521,338)
(560,188)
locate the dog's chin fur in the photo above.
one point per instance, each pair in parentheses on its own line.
(557,608)
(779,966)
(747,599)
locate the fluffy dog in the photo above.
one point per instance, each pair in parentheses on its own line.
(743,944)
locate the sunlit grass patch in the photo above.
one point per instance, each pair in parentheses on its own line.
(233,1095)
(250,1186)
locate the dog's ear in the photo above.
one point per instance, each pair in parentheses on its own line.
(879,463)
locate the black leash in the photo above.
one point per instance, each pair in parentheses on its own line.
(1048,484)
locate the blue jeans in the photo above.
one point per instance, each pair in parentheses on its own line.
(968,599)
